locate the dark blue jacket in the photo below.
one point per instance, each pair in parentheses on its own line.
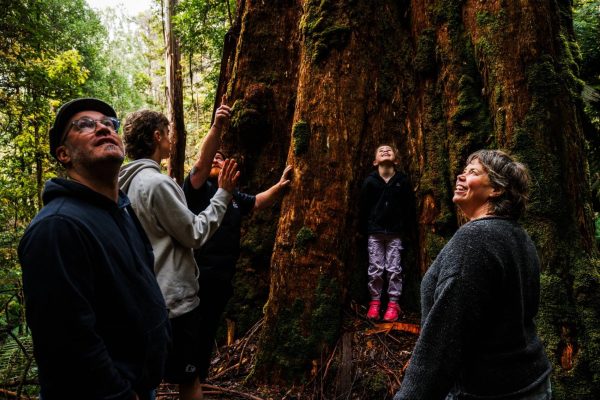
(384,207)
(220,253)
(98,320)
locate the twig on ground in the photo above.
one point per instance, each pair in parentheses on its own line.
(226,370)
(231,391)
(252,331)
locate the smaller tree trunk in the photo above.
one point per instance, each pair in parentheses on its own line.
(39,173)
(174,96)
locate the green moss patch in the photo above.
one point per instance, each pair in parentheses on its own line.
(301,135)
(303,237)
(325,27)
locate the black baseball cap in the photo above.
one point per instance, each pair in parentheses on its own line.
(68,110)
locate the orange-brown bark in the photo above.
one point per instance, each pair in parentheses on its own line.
(319,84)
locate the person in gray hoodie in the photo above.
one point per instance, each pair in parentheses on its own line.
(174,232)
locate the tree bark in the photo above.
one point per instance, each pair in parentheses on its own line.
(319,84)
(174,94)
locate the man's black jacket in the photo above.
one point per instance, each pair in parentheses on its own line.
(99,322)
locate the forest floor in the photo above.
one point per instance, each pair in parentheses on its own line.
(368,362)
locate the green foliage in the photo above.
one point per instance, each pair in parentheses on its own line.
(51,51)
(132,62)
(200,26)
(301,136)
(586,21)
(17,363)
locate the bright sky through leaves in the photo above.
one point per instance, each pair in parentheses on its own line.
(129,7)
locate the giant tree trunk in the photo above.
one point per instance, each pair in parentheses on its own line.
(322,82)
(174,92)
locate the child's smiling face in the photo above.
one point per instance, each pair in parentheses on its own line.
(384,154)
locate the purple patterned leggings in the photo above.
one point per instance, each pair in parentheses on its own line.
(384,258)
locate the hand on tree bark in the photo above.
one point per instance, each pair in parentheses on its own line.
(285,178)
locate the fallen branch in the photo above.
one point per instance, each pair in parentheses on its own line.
(396,326)
(230,391)
(13,395)
(253,330)
(389,372)
(226,370)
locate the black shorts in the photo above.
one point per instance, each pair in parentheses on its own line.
(183,361)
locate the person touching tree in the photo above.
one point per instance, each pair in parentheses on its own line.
(173,231)
(218,257)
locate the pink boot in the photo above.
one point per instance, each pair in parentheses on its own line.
(373,312)
(392,313)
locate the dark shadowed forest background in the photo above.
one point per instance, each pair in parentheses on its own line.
(318,84)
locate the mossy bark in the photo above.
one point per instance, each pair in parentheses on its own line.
(260,75)
(318,84)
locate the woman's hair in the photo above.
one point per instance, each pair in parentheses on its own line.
(510,177)
(138,132)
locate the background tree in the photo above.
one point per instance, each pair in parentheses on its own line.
(174,93)
(320,83)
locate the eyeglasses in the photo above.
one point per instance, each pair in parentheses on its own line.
(88,125)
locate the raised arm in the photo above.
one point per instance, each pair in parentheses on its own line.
(267,198)
(210,145)
(174,217)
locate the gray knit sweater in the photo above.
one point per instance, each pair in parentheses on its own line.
(479,299)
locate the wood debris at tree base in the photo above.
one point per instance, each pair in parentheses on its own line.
(368,362)
(386,327)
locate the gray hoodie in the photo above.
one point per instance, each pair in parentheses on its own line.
(172,229)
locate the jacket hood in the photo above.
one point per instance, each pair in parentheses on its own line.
(129,171)
(58,187)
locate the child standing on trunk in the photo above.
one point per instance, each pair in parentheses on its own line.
(383,206)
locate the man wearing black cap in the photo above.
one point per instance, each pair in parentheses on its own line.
(97,317)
